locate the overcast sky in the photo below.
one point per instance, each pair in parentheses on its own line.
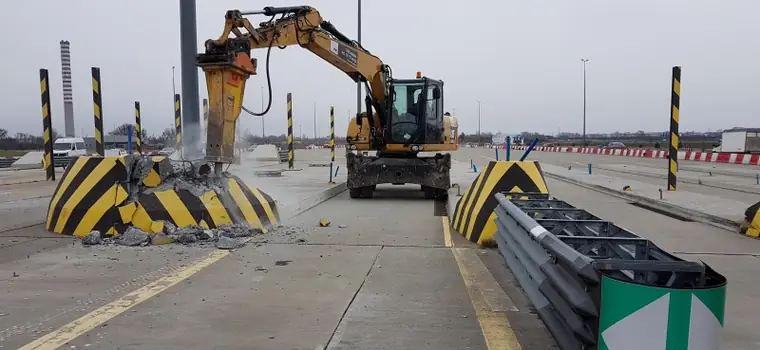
(520,58)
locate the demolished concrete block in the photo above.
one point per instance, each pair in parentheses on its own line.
(187,238)
(229,243)
(169,228)
(133,237)
(161,239)
(206,235)
(92,238)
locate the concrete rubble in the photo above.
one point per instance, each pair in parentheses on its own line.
(223,237)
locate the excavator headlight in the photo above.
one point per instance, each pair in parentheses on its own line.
(416,148)
(352,147)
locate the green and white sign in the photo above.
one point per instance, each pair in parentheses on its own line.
(635,317)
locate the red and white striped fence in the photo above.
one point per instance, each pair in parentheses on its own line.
(711,157)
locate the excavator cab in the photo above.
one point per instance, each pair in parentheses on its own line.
(416,112)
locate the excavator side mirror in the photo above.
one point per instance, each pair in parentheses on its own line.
(436,93)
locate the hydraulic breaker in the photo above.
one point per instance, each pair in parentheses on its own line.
(227,68)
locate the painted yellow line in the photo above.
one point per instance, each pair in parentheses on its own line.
(446,232)
(95,318)
(496,329)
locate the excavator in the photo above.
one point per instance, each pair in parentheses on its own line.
(404,120)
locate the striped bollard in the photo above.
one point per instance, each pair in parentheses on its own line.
(675,101)
(97,106)
(47,127)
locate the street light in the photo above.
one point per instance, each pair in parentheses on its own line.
(478,121)
(359,41)
(584,60)
(263,134)
(174,86)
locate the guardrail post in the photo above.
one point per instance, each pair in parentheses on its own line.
(675,101)
(97,106)
(48,159)
(589,168)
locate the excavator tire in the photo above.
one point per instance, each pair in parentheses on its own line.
(362,192)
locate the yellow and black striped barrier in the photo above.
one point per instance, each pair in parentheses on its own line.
(47,127)
(178,120)
(93,194)
(138,127)
(97,106)
(291,155)
(751,226)
(332,141)
(474,212)
(675,101)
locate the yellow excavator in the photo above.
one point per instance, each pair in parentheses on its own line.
(408,117)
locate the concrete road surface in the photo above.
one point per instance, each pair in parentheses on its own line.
(381,276)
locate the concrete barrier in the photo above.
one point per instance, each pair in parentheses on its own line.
(31,160)
(109,194)
(751,225)
(473,214)
(264,153)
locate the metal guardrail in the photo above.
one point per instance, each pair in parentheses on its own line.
(560,255)
(7,162)
(63,162)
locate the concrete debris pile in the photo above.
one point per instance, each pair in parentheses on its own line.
(114,195)
(223,237)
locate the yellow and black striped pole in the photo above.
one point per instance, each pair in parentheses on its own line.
(332,141)
(138,127)
(47,126)
(291,154)
(178,121)
(97,106)
(675,101)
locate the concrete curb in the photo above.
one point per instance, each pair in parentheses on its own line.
(313,201)
(705,218)
(680,179)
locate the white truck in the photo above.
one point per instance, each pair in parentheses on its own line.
(740,140)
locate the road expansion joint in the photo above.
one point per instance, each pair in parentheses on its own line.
(351,301)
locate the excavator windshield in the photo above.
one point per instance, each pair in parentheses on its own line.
(416,111)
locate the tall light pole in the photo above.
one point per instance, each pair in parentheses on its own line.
(584,60)
(263,134)
(478,121)
(174,85)
(359,40)
(315,121)
(191,115)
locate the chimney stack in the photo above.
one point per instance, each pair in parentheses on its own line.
(68,97)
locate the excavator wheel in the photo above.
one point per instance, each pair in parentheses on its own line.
(361,192)
(435,193)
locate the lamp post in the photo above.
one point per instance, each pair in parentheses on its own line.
(359,40)
(478,121)
(263,134)
(584,60)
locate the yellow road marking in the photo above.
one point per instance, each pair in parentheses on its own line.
(446,232)
(496,329)
(95,318)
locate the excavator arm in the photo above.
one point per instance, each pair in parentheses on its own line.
(227,63)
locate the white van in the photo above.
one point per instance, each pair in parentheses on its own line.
(69,147)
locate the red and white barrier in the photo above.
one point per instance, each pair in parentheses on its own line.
(711,157)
